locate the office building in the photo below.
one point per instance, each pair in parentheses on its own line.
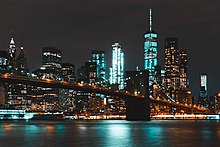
(46,98)
(3,61)
(183,69)
(99,57)
(171,67)
(150,51)
(203,94)
(68,72)
(117,68)
(87,74)
(88,103)
(11,56)
(21,63)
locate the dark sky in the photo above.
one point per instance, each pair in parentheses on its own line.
(77,26)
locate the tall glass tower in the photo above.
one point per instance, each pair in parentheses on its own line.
(98,57)
(117,68)
(203,94)
(150,51)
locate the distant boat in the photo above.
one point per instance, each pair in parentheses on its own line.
(48,116)
(8,114)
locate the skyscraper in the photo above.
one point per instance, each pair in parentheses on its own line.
(203,94)
(18,96)
(150,51)
(87,74)
(51,57)
(44,99)
(3,61)
(12,55)
(117,68)
(171,66)
(88,102)
(183,69)
(100,59)
(21,63)
(51,62)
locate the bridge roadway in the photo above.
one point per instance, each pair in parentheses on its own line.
(7,78)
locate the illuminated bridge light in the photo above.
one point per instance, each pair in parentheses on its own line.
(6,75)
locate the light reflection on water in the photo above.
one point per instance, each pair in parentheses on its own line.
(109,133)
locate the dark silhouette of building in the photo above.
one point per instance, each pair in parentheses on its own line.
(21,63)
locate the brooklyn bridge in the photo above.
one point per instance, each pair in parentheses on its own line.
(137,106)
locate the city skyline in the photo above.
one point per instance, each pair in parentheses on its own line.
(69,39)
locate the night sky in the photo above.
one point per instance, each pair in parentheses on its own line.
(78,26)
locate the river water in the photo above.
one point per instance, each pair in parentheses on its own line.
(109,133)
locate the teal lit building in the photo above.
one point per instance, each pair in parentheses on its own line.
(99,58)
(117,68)
(150,51)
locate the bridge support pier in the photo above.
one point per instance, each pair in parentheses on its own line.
(137,109)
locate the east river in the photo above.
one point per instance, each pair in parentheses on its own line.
(109,133)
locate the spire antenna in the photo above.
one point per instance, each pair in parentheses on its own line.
(150,20)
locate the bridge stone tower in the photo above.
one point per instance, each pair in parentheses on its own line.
(138,109)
